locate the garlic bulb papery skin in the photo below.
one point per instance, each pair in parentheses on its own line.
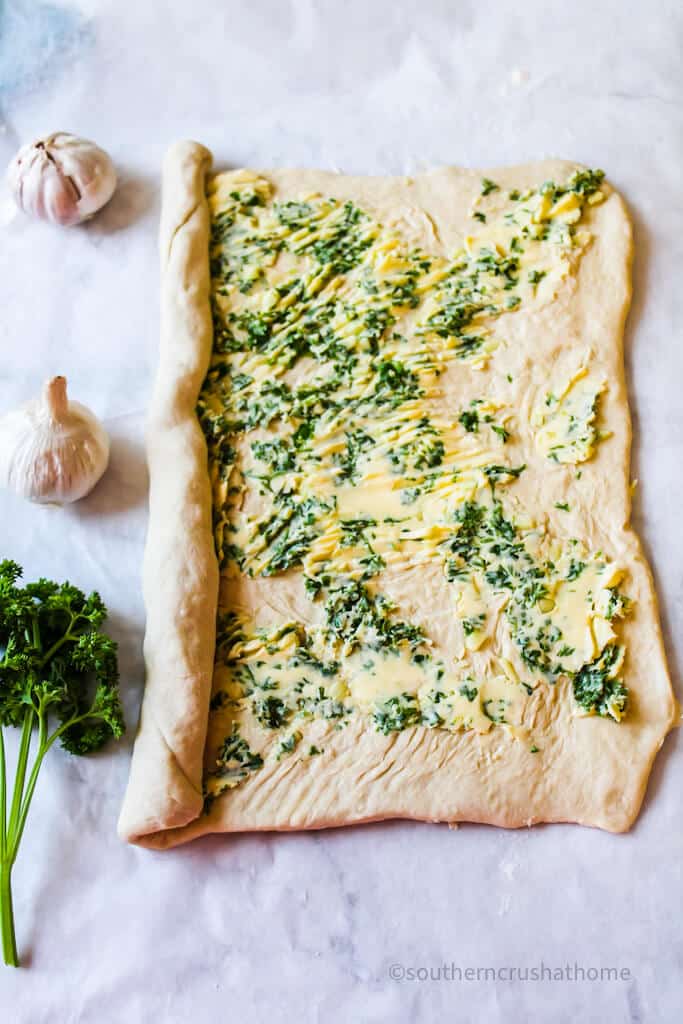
(52,450)
(62,178)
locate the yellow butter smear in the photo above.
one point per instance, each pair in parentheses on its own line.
(566,420)
(339,465)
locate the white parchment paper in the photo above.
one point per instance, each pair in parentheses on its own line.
(307,927)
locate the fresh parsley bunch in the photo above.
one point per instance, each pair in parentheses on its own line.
(59,678)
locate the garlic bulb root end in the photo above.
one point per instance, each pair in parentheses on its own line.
(62,178)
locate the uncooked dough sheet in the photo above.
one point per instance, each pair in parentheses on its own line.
(590,770)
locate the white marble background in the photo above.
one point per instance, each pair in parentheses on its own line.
(304,927)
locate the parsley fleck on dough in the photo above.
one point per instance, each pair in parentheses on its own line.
(392,420)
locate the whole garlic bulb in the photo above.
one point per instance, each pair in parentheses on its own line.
(61,178)
(52,450)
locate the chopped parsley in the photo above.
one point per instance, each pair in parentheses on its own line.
(595,691)
(397,713)
(235,760)
(469,419)
(288,745)
(468,692)
(488,186)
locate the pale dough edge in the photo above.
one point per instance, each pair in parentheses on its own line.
(180,573)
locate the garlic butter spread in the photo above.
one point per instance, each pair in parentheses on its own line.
(409,584)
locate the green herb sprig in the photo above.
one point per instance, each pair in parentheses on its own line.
(59,678)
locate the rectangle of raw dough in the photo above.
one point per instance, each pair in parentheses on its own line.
(554,765)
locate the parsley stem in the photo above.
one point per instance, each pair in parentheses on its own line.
(3,796)
(15,838)
(21,803)
(9,948)
(11,837)
(9,942)
(60,643)
(44,744)
(20,775)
